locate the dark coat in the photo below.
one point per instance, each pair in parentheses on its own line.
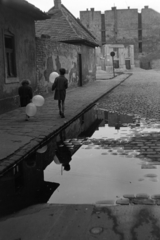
(60,85)
(25,94)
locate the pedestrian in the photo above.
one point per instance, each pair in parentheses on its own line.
(25,93)
(60,85)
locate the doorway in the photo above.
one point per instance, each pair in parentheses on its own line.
(80,69)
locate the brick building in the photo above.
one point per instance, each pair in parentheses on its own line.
(17,49)
(128,27)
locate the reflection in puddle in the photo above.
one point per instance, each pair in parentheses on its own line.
(116,160)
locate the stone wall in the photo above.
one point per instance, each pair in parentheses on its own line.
(53,55)
(23,30)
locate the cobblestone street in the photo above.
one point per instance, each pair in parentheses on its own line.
(140,94)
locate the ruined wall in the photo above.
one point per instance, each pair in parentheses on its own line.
(53,55)
(92,21)
(150,57)
(23,30)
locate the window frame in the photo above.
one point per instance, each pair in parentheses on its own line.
(9,79)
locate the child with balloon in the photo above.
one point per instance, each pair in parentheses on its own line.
(60,85)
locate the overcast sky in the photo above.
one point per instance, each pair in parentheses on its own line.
(75,6)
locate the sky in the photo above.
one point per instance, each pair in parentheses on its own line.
(75,6)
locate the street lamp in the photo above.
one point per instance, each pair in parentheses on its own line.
(112,55)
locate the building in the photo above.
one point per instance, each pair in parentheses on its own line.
(17,49)
(128,27)
(62,41)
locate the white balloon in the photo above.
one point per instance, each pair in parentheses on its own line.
(52,76)
(42,150)
(31,109)
(56,160)
(38,100)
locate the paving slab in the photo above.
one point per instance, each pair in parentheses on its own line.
(16,133)
(83,222)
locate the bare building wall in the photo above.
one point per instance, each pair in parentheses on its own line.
(51,56)
(150,56)
(92,21)
(130,27)
(19,28)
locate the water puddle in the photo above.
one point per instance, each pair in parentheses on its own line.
(120,158)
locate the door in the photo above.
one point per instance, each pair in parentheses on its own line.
(80,69)
(128,64)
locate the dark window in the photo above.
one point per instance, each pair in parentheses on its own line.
(103,36)
(10,55)
(116,63)
(139,20)
(140,34)
(140,47)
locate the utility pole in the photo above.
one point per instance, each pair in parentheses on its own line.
(112,55)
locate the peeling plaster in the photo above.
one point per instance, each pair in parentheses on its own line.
(9,88)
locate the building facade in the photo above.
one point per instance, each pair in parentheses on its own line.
(129,28)
(62,41)
(17,49)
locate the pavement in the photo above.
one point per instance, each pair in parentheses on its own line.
(85,222)
(19,138)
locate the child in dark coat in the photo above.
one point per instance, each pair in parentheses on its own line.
(60,85)
(25,94)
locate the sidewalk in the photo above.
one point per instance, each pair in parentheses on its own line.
(19,138)
(82,222)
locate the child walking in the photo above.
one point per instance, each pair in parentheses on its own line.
(60,85)
(25,94)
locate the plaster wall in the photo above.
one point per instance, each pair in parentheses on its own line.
(54,55)
(122,27)
(150,57)
(92,21)
(23,30)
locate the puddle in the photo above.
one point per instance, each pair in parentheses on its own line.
(119,158)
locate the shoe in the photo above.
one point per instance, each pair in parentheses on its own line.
(27,118)
(60,113)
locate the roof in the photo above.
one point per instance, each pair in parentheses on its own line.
(64,27)
(26,8)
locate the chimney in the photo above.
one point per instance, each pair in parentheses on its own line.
(92,9)
(146,7)
(57,3)
(113,8)
(128,7)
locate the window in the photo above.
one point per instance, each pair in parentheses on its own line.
(140,47)
(103,37)
(140,34)
(10,56)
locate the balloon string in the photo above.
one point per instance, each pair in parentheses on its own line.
(61,170)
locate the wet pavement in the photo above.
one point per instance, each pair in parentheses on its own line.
(112,189)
